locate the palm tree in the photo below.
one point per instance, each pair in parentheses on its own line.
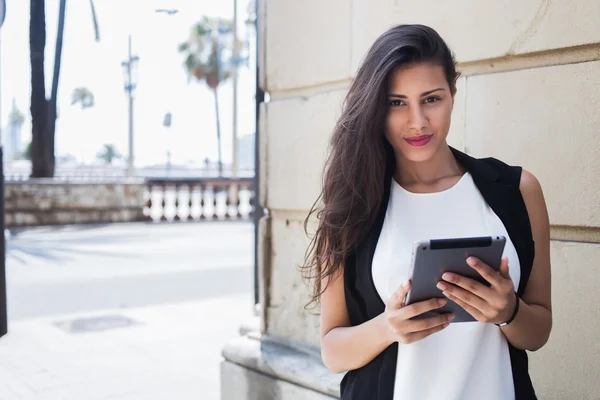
(25,154)
(15,118)
(43,111)
(203,53)
(109,153)
(82,96)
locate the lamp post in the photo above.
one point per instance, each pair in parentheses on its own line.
(234,61)
(234,77)
(3,310)
(130,77)
(167,124)
(168,116)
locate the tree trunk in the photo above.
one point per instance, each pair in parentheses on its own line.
(218,131)
(39,105)
(54,93)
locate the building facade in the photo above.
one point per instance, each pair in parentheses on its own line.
(529,94)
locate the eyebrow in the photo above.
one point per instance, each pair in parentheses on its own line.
(401,96)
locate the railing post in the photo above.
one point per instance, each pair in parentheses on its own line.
(238,202)
(202,202)
(149,203)
(190,187)
(164,203)
(215,191)
(176,217)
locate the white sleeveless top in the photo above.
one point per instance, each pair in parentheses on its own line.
(467,360)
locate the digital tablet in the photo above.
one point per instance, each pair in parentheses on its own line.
(432,258)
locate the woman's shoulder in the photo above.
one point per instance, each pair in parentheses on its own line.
(516,175)
(508,173)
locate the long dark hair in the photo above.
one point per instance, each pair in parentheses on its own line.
(360,155)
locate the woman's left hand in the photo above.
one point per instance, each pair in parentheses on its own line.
(494,304)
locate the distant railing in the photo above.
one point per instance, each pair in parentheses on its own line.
(103,173)
(199,199)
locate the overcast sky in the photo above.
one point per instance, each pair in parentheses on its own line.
(163,85)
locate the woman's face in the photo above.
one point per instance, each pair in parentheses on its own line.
(420,105)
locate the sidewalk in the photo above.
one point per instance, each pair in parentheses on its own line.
(160,352)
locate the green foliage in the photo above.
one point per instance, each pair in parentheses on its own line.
(108,154)
(82,96)
(207,52)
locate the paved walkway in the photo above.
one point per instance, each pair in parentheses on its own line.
(169,348)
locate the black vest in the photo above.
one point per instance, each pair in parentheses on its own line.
(499,186)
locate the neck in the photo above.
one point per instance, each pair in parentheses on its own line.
(441,165)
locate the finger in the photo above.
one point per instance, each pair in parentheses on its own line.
(466,296)
(413,337)
(476,313)
(504,268)
(422,307)
(467,284)
(397,300)
(484,270)
(428,323)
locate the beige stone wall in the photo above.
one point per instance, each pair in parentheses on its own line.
(47,202)
(530,95)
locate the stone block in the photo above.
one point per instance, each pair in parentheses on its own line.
(262,368)
(299,130)
(569,365)
(307,43)
(482,29)
(48,202)
(545,119)
(287,316)
(240,383)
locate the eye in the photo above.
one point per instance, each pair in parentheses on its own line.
(431,99)
(395,103)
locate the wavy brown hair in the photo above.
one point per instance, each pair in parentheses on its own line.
(360,155)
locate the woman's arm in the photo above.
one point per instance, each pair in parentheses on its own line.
(530,330)
(345,347)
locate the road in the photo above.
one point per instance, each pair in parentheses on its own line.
(58,270)
(124,311)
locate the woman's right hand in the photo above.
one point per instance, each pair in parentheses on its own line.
(404,330)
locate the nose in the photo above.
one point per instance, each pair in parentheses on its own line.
(417,118)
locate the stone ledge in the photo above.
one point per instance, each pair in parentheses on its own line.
(52,202)
(241,383)
(71,217)
(78,182)
(250,326)
(283,360)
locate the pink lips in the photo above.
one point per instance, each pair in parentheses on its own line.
(419,141)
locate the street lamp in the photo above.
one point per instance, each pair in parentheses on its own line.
(130,78)
(168,116)
(3,310)
(234,62)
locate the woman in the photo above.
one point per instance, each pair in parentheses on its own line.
(392,179)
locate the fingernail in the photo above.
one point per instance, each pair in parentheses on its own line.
(448,276)
(446,325)
(450,317)
(442,286)
(442,302)
(405,284)
(471,261)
